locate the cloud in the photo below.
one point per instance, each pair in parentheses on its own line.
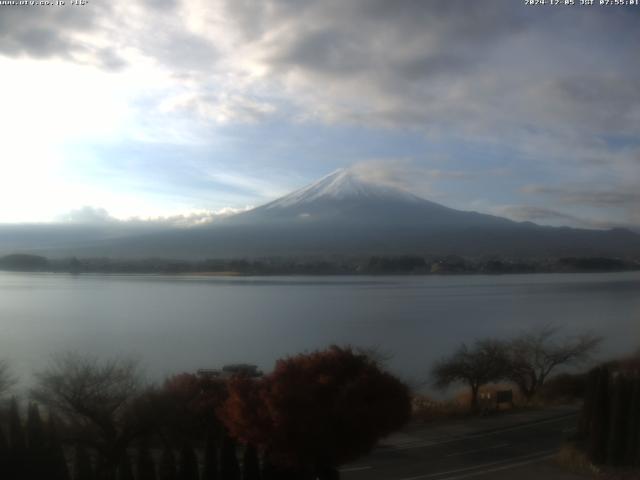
(625,199)
(602,198)
(554,217)
(432,66)
(440,67)
(537,214)
(89,215)
(55,31)
(613,207)
(185,220)
(220,109)
(405,173)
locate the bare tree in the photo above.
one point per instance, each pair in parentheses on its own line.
(474,366)
(7,380)
(535,354)
(95,398)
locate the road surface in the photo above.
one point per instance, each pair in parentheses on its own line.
(508,450)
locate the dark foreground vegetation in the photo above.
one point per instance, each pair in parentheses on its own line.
(607,442)
(313,413)
(377,265)
(609,430)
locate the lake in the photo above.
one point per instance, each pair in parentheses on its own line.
(182,323)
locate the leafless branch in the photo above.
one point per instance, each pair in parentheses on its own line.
(535,354)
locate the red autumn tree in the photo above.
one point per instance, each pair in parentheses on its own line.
(319,410)
(244,413)
(193,401)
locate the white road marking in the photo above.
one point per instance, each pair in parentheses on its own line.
(539,456)
(477,435)
(478,450)
(356,469)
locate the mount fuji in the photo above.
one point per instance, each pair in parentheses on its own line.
(344,213)
(345,198)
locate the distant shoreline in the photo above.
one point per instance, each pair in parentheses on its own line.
(231,274)
(404,265)
(208,274)
(284,274)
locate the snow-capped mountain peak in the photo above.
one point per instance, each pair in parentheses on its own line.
(342,184)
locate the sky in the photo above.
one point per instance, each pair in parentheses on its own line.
(173,109)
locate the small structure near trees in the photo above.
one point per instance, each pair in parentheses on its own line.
(526,360)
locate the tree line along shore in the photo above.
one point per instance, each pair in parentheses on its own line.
(371,265)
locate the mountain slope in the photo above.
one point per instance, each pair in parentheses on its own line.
(344,198)
(344,214)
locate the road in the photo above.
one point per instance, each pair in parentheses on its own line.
(508,451)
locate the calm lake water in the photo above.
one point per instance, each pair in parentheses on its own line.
(175,324)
